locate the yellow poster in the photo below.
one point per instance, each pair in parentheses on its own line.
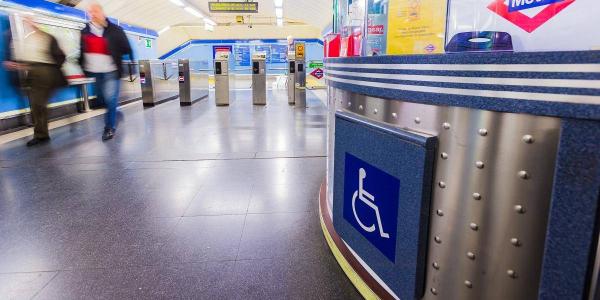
(416,26)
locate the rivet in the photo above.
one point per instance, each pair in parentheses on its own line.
(520,209)
(395,115)
(477,196)
(433,291)
(479,165)
(440,213)
(468,284)
(436,266)
(360,107)
(523,174)
(528,139)
(375,111)
(515,242)
(444,155)
(446,126)
(474,226)
(471,255)
(437,239)
(511,273)
(442,184)
(418,120)
(483,132)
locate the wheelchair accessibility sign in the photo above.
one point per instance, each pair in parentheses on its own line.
(371,204)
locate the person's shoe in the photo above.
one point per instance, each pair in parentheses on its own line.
(108,134)
(37,141)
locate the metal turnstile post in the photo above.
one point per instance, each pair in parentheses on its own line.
(222,78)
(185,83)
(300,84)
(158,82)
(291,81)
(259,78)
(146,82)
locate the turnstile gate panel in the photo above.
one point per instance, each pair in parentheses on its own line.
(158,80)
(222,78)
(291,82)
(259,79)
(300,84)
(193,87)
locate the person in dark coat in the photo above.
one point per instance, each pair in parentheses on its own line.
(103,45)
(41,58)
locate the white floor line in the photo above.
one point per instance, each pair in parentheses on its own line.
(13,136)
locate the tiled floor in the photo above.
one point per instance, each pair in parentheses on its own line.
(200,202)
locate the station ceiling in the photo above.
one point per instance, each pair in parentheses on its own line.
(158,14)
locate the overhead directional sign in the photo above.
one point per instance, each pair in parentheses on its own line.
(233,7)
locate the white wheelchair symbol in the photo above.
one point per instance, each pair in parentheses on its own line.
(369,200)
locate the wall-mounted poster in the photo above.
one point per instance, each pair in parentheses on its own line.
(242,56)
(279,53)
(416,26)
(541,25)
(377,25)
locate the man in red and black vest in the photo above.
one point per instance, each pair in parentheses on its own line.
(103,45)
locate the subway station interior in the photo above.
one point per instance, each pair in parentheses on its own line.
(314,149)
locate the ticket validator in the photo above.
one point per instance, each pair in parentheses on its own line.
(291,80)
(222,78)
(300,78)
(259,78)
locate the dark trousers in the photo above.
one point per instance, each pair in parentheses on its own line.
(42,82)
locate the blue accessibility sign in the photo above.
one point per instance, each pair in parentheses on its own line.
(371,204)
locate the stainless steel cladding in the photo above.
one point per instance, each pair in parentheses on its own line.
(491,194)
(291,81)
(300,84)
(222,80)
(159,81)
(259,81)
(185,82)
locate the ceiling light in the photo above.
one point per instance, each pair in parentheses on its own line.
(279,22)
(279,12)
(209,27)
(178,3)
(209,21)
(164,30)
(193,12)
(278,3)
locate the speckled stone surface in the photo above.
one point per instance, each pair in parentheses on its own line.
(200,202)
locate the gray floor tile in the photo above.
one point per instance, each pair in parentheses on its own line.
(23,285)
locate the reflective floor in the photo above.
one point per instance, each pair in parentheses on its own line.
(198,202)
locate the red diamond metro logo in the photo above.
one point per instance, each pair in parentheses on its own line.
(525,22)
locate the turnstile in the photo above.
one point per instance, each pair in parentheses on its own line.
(291,80)
(158,81)
(222,78)
(259,78)
(190,89)
(300,82)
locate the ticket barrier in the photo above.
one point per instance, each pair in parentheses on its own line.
(222,78)
(259,78)
(159,81)
(193,87)
(300,83)
(291,80)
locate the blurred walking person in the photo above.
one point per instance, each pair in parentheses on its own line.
(40,57)
(103,45)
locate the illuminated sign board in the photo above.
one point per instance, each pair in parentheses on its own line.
(233,7)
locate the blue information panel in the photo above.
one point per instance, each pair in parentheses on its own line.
(279,53)
(381,199)
(266,49)
(242,56)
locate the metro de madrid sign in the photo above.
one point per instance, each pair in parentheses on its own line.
(512,11)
